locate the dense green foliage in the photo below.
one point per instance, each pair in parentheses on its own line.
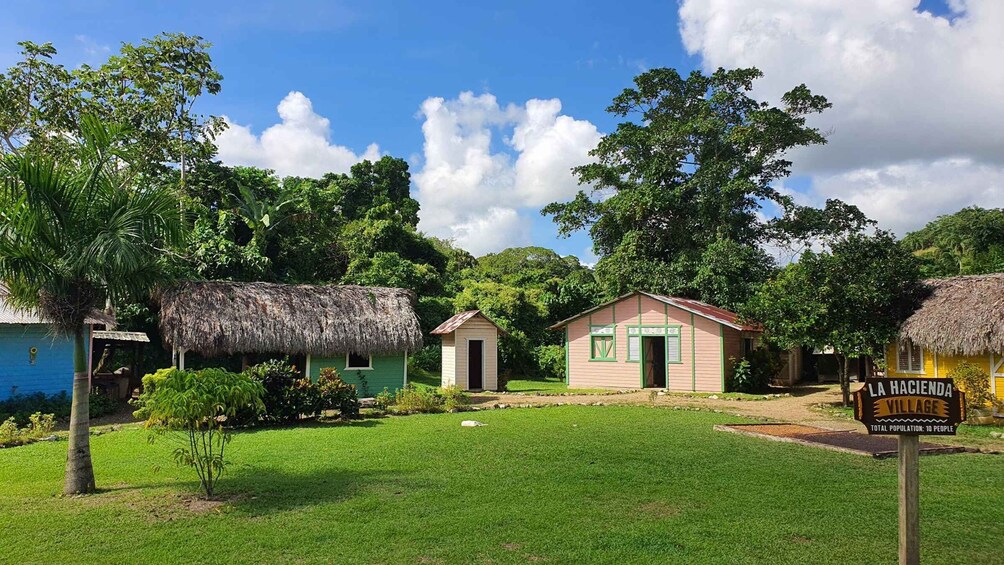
(754,371)
(677,191)
(198,403)
(604,484)
(975,382)
(22,406)
(968,242)
(852,298)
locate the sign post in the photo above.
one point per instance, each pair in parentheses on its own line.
(907,408)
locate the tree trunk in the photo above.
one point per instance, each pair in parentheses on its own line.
(844,370)
(79,472)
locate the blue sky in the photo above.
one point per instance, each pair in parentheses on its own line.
(368,68)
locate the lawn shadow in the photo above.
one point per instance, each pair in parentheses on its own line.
(266,490)
(364,422)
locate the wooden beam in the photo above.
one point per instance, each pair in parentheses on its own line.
(909,499)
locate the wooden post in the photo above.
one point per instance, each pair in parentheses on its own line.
(909,499)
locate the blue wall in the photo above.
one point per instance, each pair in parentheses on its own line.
(53,368)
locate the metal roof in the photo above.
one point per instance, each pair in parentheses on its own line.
(10,315)
(457,320)
(121,336)
(703,309)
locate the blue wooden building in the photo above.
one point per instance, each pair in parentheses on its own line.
(32,358)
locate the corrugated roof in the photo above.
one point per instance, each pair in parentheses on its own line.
(457,320)
(703,309)
(122,336)
(715,313)
(9,315)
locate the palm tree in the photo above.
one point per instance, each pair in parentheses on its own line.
(74,235)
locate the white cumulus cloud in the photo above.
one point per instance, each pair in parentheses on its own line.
(300,144)
(487,167)
(917,124)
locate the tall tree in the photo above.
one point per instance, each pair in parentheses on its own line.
(74,234)
(152,86)
(852,298)
(692,168)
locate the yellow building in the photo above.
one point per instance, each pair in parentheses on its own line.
(962,319)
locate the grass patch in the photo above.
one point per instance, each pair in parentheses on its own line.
(546,386)
(611,484)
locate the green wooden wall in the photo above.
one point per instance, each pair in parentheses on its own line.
(387,372)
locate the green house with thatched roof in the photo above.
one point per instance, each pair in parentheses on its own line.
(363,332)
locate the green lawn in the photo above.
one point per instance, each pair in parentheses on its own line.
(560,485)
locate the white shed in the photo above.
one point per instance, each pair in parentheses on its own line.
(470,351)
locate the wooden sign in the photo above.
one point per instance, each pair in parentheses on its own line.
(910,406)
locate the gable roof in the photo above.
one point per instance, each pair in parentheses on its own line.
(703,309)
(217,317)
(457,320)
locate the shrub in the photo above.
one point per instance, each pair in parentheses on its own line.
(336,394)
(412,400)
(455,399)
(100,404)
(384,399)
(424,400)
(429,358)
(39,426)
(550,361)
(975,382)
(283,400)
(150,383)
(22,406)
(197,404)
(754,372)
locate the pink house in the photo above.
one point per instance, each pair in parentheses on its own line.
(644,340)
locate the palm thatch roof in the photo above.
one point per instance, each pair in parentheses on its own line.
(214,318)
(961,316)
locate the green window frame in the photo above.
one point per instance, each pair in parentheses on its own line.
(603,343)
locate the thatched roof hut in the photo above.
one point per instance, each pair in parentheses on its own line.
(961,316)
(214,318)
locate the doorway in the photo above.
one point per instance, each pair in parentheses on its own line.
(475,364)
(654,349)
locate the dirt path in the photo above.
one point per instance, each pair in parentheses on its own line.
(797,408)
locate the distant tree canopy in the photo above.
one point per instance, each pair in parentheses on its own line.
(968,242)
(686,180)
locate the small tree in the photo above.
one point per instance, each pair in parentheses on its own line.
(199,404)
(852,298)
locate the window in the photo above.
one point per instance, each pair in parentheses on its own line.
(602,347)
(602,344)
(634,348)
(358,361)
(673,349)
(910,357)
(748,346)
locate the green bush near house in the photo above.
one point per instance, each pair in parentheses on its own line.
(550,361)
(22,406)
(753,373)
(336,394)
(424,400)
(975,382)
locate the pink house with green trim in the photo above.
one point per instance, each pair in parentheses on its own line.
(645,340)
